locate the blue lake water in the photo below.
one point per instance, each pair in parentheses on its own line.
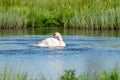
(85,54)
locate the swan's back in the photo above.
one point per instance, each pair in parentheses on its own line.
(49,42)
(52,42)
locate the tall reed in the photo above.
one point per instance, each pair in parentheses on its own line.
(14,74)
(86,14)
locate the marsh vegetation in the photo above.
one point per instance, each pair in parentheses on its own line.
(79,14)
(9,74)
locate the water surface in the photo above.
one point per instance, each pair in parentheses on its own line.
(84,53)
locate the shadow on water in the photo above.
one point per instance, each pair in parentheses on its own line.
(71,32)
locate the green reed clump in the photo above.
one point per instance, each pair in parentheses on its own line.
(104,75)
(13,18)
(68,75)
(10,74)
(114,75)
(86,14)
(15,74)
(97,16)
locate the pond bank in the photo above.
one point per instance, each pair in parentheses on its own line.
(79,14)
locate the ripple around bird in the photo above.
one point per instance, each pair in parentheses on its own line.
(84,54)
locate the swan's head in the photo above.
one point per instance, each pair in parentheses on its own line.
(57,34)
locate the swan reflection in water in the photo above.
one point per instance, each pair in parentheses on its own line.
(56,65)
(56,41)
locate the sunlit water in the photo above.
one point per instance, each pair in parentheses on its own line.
(85,54)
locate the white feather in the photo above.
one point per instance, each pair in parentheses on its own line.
(51,42)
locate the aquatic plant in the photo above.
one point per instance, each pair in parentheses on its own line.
(79,14)
(103,75)
(10,74)
(68,75)
(14,74)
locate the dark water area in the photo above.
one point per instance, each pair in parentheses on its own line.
(86,52)
(71,32)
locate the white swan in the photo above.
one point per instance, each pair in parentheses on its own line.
(52,42)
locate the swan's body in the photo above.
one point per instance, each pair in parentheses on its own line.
(52,42)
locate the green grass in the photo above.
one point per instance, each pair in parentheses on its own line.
(79,14)
(103,75)
(14,74)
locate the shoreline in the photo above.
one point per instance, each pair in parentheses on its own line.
(79,14)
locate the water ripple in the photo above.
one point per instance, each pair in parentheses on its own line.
(81,53)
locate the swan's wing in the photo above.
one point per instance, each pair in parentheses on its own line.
(43,43)
(49,42)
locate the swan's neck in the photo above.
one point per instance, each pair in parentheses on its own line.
(60,38)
